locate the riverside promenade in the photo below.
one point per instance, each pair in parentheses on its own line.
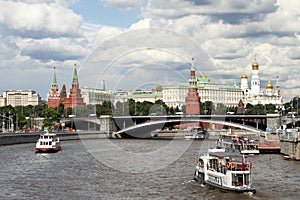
(20,138)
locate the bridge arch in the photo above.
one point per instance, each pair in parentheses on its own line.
(133,131)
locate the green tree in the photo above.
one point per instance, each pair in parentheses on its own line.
(132,107)
(220,109)
(38,109)
(60,109)
(206,107)
(22,122)
(295,107)
(50,117)
(249,109)
(183,108)
(8,115)
(106,108)
(270,108)
(172,111)
(232,109)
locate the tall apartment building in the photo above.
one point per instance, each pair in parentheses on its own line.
(20,98)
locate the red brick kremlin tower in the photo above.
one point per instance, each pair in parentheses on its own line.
(53,95)
(75,99)
(63,94)
(192,100)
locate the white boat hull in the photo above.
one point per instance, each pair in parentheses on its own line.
(47,149)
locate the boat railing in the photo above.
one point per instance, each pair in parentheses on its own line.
(237,166)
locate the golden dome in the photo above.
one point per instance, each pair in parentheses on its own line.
(255,65)
(269,85)
(203,75)
(244,76)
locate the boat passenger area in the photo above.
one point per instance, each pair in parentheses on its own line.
(231,161)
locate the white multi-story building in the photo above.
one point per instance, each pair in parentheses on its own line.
(208,90)
(94,96)
(2,101)
(20,98)
(174,94)
(141,96)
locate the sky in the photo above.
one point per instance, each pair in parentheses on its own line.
(139,44)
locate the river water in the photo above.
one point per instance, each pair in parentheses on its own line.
(131,169)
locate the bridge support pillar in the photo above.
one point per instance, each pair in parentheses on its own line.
(107,125)
(273,121)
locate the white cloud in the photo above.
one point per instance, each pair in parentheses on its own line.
(235,48)
(294,53)
(233,32)
(51,49)
(39,34)
(124,4)
(39,19)
(226,10)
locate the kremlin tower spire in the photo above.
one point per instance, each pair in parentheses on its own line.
(75,98)
(54,81)
(75,77)
(103,86)
(192,99)
(53,95)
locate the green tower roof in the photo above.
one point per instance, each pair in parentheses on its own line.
(192,65)
(54,81)
(75,77)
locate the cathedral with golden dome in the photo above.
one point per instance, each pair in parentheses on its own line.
(257,95)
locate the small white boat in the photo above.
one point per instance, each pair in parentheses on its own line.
(197,133)
(48,143)
(195,136)
(250,150)
(222,170)
(234,143)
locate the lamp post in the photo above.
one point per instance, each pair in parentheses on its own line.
(17,124)
(297,103)
(9,122)
(3,123)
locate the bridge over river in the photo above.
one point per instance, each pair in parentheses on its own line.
(141,126)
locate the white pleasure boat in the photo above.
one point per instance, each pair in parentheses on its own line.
(48,143)
(223,170)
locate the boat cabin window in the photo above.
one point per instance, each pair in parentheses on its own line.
(50,143)
(240,179)
(217,165)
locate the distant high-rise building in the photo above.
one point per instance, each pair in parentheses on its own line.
(21,98)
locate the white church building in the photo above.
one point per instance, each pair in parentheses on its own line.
(256,94)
